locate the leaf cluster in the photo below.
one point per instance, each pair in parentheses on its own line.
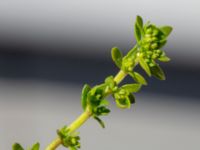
(69,140)
(17,146)
(150,39)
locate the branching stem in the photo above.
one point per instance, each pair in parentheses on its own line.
(83,117)
(147,53)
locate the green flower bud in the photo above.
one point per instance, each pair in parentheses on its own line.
(158,51)
(149,30)
(154,45)
(151,64)
(148,56)
(74,141)
(149,52)
(117,96)
(155,32)
(115,88)
(122,92)
(130,68)
(146,46)
(147,60)
(162,53)
(147,35)
(154,56)
(148,40)
(98,96)
(154,39)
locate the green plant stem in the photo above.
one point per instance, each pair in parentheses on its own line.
(120,76)
(74,125)
(83,117)
(54,144)
(80,120)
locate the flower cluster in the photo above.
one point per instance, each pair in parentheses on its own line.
(152,40)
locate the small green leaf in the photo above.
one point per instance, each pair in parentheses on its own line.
(138,29)
(162,43)
(132,88)
(138,78)
(131,53)
(109,79)
(73,148)
(123,103)
(144,66)
(104,102)
(63,132)
(99,121)
(110,82)
(117,56)
(131,98)
(158,72)
(96,94)
(105,111)
(36,146)
(137,33)
(139,21)
(166,30)
(96,90)
(101,110)
(85,90)
(17,146)
(164,59)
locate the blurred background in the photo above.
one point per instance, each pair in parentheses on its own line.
(49,49)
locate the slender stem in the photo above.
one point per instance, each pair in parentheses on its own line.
(54,144)
(120,76)
(80,120)
(83,117)
(74,125)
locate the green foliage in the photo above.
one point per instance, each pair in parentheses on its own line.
(111,84)
(145,66)
(138,28)
(138,78)
(17,146)
(69,140)
(85,90)
(166,30)
(123,103)
(158,72)
(164,59)
(131,98)
(35,146)
(116,56)
(146,53)
(131,54)
(132,88)
(124,97)
(150,39)
(139,22)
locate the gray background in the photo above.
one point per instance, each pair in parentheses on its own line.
(49,49)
